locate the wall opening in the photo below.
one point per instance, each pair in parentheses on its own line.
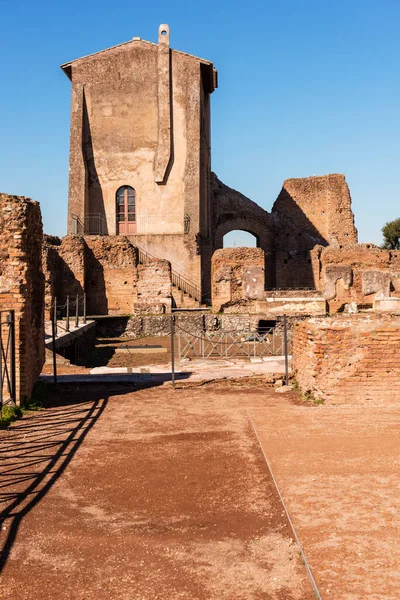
(264,325)
(239,238)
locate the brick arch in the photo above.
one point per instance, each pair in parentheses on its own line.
(260,230)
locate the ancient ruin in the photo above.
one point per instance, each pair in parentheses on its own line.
(140,168)
(147,218)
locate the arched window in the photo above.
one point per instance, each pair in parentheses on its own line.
(126,210)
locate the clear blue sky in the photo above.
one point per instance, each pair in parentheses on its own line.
(305,87)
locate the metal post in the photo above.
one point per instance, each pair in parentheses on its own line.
(53,333)
(77,312)
(67,316)
(172,350)
(286,350)
(55,315)
(84,308)
(12,355)
(179,347)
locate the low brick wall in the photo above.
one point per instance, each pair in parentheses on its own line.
(22,285)
(348,360)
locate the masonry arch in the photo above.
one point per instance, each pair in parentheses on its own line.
(261,232)
(260,229)
(240,238)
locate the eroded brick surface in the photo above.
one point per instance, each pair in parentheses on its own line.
(347,360)
(237,273)
(22,284)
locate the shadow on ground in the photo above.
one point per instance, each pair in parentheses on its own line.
(35,452)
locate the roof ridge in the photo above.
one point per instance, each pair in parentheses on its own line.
(66,64)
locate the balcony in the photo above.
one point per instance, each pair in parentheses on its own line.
(94,224)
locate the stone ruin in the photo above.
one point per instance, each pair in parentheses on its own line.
(147,216)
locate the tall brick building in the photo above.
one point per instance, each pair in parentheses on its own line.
(140,148)
(140,167)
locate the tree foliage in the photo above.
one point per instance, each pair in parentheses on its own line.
(391,235)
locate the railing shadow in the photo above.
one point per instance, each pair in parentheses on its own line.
(35,452)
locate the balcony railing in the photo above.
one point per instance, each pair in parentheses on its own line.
(94,224)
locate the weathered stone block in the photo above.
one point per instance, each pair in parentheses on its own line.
(332,274)
(376,281)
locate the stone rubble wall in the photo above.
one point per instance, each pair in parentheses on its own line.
(358,273)
(107,269)
(238,287)
(154,292)
(111,274)
(348,360)
(22,285)
(237,273)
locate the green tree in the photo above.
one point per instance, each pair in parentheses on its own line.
(391,235)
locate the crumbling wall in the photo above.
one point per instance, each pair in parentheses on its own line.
(106,269)
(111,275)
(71,281)
(358,273)
(308,212)
(347,360)
(63,264)
(50,267)
(22,285)
(237,273)
(320,208)
(154,294)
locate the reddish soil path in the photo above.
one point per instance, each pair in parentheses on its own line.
(153,494)
(338,470)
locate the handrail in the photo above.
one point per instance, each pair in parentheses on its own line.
(177,278)
(94,224)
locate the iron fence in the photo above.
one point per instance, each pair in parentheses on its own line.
(7,357)
(274,341)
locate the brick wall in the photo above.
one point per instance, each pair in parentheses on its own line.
(237,273)
(106,268)
(22,285)
(319,208)
(111,274)
(349,360)
(154,294)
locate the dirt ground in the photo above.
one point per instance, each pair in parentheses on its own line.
(144,495)
(166,494)
(338,470)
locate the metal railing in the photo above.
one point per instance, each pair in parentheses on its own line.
(7,357)
(274,341)
(70,311)
(94,224)
(177,279)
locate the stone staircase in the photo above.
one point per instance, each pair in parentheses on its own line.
(184,300)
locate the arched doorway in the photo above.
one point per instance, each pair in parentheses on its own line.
(240,238)
(126,210)
(243,230)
